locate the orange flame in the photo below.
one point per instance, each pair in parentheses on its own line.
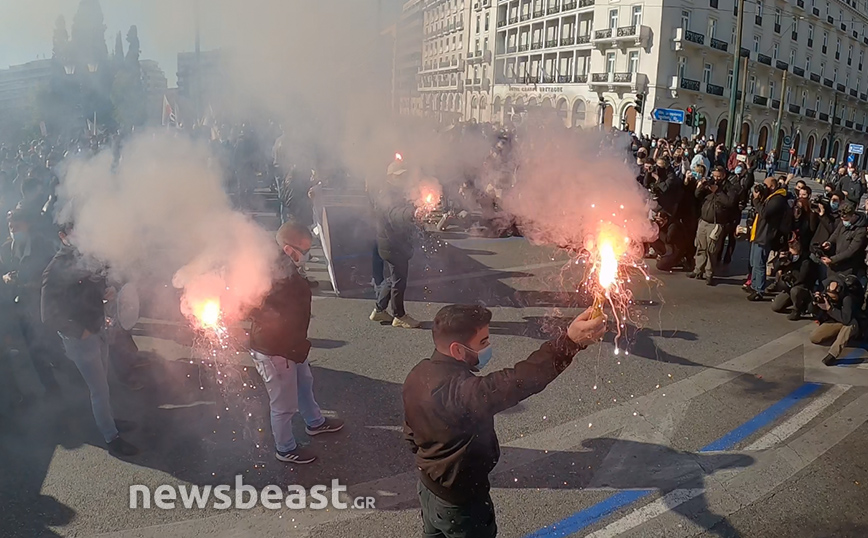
(208,313)
(608,270)
(399,157)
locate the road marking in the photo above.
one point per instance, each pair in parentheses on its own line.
(184,406)
(401,488)
(647,512)
(798,421)
(593,514)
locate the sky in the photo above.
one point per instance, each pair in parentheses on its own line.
(166,27)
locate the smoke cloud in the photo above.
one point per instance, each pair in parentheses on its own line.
(162,213)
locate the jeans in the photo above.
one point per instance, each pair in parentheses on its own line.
(759,258)
(377,269)
(443,520)
(290,390)
(393,289)
(90,356)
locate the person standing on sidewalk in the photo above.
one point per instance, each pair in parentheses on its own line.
(280,348)
(449,413)
(72,304)
(769,232)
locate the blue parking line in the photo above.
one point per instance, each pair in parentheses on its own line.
(857,356)
(593,514)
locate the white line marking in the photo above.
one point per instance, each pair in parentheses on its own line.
(185,406)
(795,423)
(649,511)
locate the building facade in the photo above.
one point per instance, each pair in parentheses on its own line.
(441,74)
(156,84)
(20,83)
(407,58)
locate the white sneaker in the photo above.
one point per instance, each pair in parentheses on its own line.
(406,322)
(381,317)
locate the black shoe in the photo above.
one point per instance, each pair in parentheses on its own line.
(300,456)
(692,274)
(119,447)
(331,425)
(830,360)
(125,426)
(746,288)
(755,297)
(710,281)
(795,315)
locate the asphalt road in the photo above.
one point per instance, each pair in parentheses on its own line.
(704,427)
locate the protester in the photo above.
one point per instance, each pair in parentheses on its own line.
(844,252)
(280,348)
(839,310)
(795,275)
(449,413)
(769,230)
(717,199)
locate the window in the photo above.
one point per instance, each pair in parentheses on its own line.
(613,18)
(706,74)
(729,78)
(712,29)
(487,21)
(792,57)
(771,89)
(811,31)
(827,9)
(610,62)
(637,16)
(789,94)
(759,8)
(825,39)
(838,47)
(682,66)
(633,62)
(817,103)
(822,69)
(777,15)
(808,64)
(752,85)
(775,49)
(831,105)
(685,20)
(732,37)
(847,79)
(478,23)
(756,43)
(850,53)
(835,74)
(804,98)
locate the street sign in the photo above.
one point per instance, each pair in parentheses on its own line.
(670,115)
(788,141)
(857,149)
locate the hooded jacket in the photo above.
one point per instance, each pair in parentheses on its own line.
(771,215)
(849,247)
(280,324)
(717,206)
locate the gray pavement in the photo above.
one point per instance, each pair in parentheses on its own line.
(702,362)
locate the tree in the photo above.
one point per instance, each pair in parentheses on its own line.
(129,99)
(135,50)
(88,34)
(119,49)
(60,51)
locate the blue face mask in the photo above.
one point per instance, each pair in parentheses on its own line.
(695,174)
(847,224)
(739,169)
(834,205)
(483,356)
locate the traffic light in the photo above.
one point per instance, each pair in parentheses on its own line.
(640,102)
(690,116)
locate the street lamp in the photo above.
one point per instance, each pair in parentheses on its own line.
(92,67)
(70,69)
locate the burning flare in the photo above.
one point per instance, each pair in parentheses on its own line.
(208,313)
(606,266)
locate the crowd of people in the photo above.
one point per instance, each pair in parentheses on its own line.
(807,250)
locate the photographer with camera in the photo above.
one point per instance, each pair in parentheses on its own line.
(664,185)
(839,311)
(770,230)
(717,197)
(671,244)
(844,252)
(851,185)
(795,276)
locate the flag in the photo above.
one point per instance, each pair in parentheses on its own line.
(169,116)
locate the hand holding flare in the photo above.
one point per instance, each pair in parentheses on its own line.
(607,272)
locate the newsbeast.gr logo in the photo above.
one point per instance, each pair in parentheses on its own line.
(245,497)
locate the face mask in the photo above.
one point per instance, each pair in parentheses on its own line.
(847,224)
(483,356)
(834,205)
(695,174)
(653,144)
(795,257)
(305,257)
(749,151)
(739,170)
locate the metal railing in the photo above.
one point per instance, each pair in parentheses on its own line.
(760,100)
(719,45)
(694,37)
(689,84)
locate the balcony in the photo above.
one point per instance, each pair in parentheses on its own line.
(501,24)
(800,4)
(828,83)
(836,121)
(848,124)
(530,80)
(794,109)
(524,47)
(583,39)
(714,89)
(513,20)
(538,13)
(552,9)
(810,113)
(744,53)
(564,79)
(536,46)
(547,79)
(551,43)
(777,28)
(783,66)
(760,100)
(798,71)
(681,36)
(586,3)
(525,17)
(776,104)
(570,4)
(619,81)
(830,20)
(854,93)
(764,59)
(689,84)
(758,20)
(581,79)
(718,44)
(511,50)
(841,88)
(859,127)
(815,78)
(824,116)
(815,11)
(863,96)
(623,36)
(567,41)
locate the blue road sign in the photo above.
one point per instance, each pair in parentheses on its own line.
(671,115)
(857,149)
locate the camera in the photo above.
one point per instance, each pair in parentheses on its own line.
(761,190)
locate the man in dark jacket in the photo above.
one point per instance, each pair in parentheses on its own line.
(796,275)
(396,227)
(72,304)
(280,348)
(670,245)
(717,197)
(768,233)
(840,314)
(665,185)
(449,413)
(851,185)
(845,249)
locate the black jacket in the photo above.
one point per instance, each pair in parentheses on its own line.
(667,188)
(823,226)
(848,245)
(72,295)
(716,206)
(279,326)
(396,228)
(853,187)
(771,216)
(449,416)
(27,285)
(802,272)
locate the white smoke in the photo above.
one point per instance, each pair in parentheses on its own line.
(162,212)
